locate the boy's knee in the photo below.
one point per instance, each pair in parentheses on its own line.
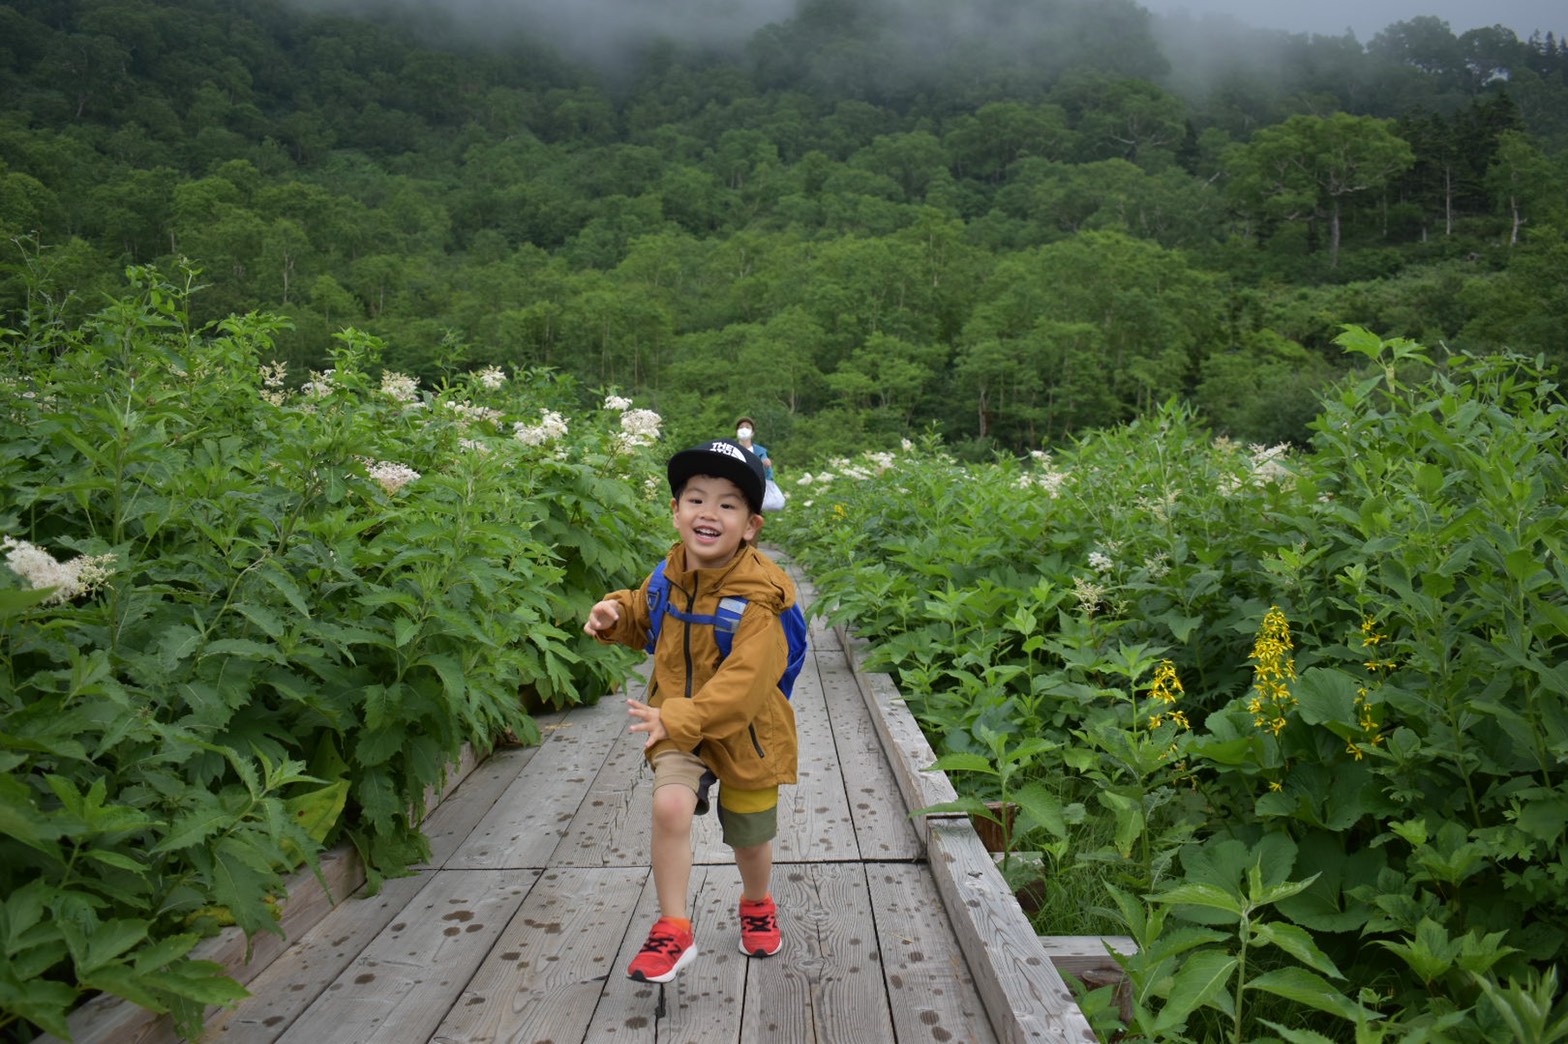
(672,804)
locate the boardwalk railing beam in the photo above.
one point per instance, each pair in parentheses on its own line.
(1024,994)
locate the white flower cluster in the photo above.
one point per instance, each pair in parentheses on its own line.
(639,428)
(468,413)
(1047,478)
(320,384)
(616,402)
(1268,464)
(474,446)
(390,475)
(551,426)
(492,377)
(272,377)
(81,575)
(1089,594)
(1100,562)
(1265,464)
(400,386)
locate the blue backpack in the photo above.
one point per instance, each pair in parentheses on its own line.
(724,623)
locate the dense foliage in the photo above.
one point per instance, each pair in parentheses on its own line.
(863,218)
(243,617)
(1313,690)
(1292,719)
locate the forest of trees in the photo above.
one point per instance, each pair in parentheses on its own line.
(866,219)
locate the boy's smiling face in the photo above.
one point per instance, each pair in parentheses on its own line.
(712,517)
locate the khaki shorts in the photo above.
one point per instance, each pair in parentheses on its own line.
(747,817)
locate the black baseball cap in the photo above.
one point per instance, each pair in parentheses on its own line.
(721,458)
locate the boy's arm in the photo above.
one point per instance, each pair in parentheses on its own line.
(620,618)
(735,695)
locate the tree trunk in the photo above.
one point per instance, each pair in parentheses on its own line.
(1333,234)
(1448,201)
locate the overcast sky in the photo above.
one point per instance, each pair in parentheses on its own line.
(600,29)
(1369,17)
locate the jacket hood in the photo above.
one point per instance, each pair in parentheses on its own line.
(750,575)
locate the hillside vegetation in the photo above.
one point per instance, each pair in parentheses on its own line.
(867,218)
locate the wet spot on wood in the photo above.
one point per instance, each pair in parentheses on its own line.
(510,955)
(454,930)
(360,980)
(459,915)
(272,1020)
(636,1022)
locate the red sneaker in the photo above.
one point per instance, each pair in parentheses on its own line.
(669,949)
(759,928)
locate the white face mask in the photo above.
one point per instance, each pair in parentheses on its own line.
(743,433)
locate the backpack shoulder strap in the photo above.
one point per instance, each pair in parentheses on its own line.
(658,601)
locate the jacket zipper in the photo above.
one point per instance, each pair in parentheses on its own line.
(756,744)
(691,607)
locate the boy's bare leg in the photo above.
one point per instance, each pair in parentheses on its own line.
(756,869)
(673,808)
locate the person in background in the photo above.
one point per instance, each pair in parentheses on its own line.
(773,497)
(745,431)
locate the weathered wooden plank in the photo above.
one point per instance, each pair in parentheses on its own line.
(1025,995)
(702,1003)
(613,826)
(532,816)
(882,829)
(930,991)
(1079,954)
(814,817)
(452,821)
(405,981)
(908,751)
(303,972)
(544,976)
(826,984)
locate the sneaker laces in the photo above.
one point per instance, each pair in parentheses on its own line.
(661,940)
(762,922)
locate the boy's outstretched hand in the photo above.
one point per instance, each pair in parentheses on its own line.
(603,616)
(647,721)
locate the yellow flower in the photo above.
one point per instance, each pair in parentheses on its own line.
(1166,688)
(1273,669)
(1274,786)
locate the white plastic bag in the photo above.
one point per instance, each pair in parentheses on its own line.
(772,497)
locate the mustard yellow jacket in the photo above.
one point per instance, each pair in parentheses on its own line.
(735,719)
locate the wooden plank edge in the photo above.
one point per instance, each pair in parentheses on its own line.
(1078,955)
(107,1019)
(1024,994)
(906,746)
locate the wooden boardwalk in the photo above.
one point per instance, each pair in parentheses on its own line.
(538,894)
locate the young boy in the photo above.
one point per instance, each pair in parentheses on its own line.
(710,717)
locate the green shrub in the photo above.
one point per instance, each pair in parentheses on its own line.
(246,617)
(1346,661)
